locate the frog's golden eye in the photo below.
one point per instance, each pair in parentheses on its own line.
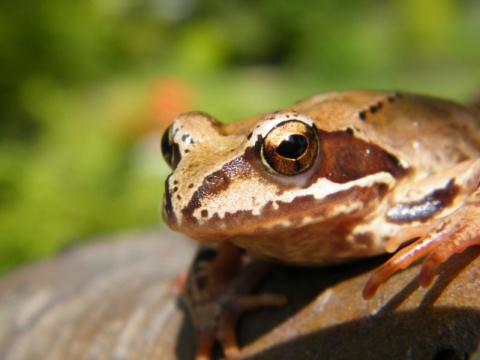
(168,149)
(290,148)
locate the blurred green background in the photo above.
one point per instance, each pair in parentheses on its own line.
(86,88)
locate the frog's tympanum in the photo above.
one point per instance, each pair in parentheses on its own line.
(333,179)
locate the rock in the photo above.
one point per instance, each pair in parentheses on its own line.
(118,299)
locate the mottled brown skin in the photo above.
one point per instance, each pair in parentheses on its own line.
(376,169)
(445,132)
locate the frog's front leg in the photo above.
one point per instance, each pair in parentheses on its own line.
(438,239)
(217,293)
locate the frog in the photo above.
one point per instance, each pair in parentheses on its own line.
(333,179)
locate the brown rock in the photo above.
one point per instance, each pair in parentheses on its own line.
(116,299)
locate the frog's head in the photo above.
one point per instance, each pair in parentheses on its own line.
(266,174)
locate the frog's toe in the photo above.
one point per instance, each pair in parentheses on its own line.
(429,268)
(251,302)
(205,342)
(227,334)
(228,338)
(459,232)
(219,326)
(400,260)
(219,319)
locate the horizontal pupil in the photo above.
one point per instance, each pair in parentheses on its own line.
(293,146)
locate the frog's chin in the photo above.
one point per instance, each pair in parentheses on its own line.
(199,234)
(208,238)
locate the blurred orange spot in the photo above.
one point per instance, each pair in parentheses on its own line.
(169,98)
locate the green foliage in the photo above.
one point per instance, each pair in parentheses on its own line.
(79,79)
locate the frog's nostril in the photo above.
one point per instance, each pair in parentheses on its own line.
(217,181)
(214,180)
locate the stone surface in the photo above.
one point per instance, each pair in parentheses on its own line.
(118,299)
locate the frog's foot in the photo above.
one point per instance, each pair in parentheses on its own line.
(218,320)
(217,295)
(451,234)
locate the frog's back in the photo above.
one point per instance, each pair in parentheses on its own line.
(423,131)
